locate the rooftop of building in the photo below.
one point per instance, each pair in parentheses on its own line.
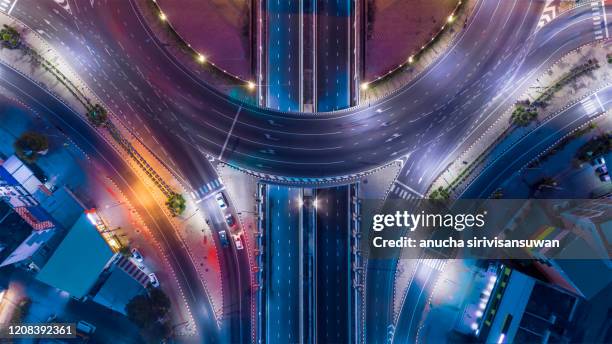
(118,289)
(78,261)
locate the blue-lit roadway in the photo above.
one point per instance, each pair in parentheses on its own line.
(283,67)
(333,53)
(282,265)
(333,262)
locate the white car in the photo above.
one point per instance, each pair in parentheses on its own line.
(137,256)
(221,200)
(238,242)
(153,279)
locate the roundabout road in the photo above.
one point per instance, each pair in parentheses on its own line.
(427,124)
(496,54)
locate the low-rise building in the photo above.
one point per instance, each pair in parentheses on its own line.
(122,282)
(521,309)
(78,261)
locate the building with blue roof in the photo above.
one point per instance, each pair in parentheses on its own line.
(78,261)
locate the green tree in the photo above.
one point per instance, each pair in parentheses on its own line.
(176,204)
(97,115)
(522,115)
(125,250)
(440,194)
(10,37)
(21,310)
(150,312)
(30,145)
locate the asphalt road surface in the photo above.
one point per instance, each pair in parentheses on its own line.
(282,263)
(283,55)
(333,54)
(426,124)
(333,267)
(491,62)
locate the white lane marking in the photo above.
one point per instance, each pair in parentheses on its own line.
(588,105)
(599,19)
(12,7)
(548,13)
(410,189)
(229,133)
(4,5)
(605,20)
(599,102)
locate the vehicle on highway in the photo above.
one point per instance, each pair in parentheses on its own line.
(221,201)
(153,279)
(85,328)
(238,242)
(599,161)
(223,239)
(229,219)
(136,255)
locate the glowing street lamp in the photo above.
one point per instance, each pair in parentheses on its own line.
(162,16)
(201,58)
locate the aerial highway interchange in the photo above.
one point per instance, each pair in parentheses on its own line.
(425,125)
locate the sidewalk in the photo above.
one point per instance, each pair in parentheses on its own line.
(503,134)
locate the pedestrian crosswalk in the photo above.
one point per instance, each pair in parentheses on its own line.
(403,192)
(435,264)
(206,189)
(589,105)
(600,27)
(592,105)
(7,6)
